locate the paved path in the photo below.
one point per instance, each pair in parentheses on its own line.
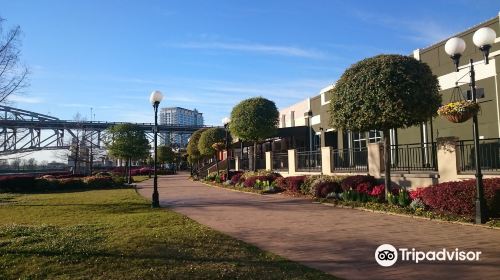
(339,241)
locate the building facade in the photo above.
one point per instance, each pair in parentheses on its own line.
(414,150)
(487,82)
(178,116)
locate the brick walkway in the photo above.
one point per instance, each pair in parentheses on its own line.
(338,241)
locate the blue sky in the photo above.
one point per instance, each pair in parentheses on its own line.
(209,55)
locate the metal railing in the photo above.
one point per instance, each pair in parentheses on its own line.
(489,150)
(309,161)
(231,163)
(414,157)
(350,160)
(280,161)
(244,163)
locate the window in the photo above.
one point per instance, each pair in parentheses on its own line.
(358,140)
(374,136)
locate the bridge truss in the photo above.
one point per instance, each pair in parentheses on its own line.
(24,131)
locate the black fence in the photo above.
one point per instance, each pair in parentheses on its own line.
(489,151)
(244,163)
(414,157)
(231,163)
(280,161)
(349,160)
(309,161)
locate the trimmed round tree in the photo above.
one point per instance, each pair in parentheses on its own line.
(254,119)
(192,146)
(210,142)
(382,93)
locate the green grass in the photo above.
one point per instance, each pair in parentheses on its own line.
(114,234)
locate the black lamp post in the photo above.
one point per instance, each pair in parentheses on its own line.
(225,122)
(155,99)
(483,38)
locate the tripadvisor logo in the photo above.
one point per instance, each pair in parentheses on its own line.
(387,255)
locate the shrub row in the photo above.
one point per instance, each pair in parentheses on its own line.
(456,198)
(459,197)
(24,184)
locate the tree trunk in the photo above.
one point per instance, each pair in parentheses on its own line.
(387,162)
(75,163)
(125,171)
(254,162)
(129,171)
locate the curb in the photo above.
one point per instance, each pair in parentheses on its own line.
(408,216)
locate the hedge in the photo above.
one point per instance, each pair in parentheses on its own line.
(352,182)
(459,197)
(25,183)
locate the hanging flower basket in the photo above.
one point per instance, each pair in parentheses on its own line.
(459,111)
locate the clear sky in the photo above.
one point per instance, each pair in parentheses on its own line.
(209,55)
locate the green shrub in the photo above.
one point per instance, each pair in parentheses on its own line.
(404,198)
(211,176)
(392,199)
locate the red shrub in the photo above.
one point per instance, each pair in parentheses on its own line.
(17,183)
(70,176)
(323,189)
(281,183)
(417,193)
(235,179)
(364,188)
(145,171)
(352,182)
(99,181)
(293,183)
(378,191)
(459,197)
(250,181)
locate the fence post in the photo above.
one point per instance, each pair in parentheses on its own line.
(292,162)
(269,161)
(326,161)
(375,159)
(237,163)
(447,158)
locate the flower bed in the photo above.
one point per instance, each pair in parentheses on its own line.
(448,201)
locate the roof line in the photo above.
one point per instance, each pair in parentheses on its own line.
(468,30)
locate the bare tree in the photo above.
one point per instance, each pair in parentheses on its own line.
(13,75)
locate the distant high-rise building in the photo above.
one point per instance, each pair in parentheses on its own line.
(179,116)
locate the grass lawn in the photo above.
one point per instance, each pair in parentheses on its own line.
(114,234)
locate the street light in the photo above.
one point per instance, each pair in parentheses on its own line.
(483,38)
(225,122)
(155,99)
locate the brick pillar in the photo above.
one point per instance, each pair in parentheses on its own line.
(375,159)
(269,161)
(237,163)
(292,164)
(326,161)
(447,158)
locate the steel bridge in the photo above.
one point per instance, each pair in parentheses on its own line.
(25,131)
